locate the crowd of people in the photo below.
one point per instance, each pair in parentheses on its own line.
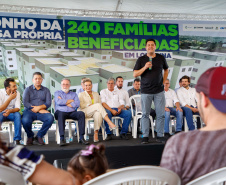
(189,154)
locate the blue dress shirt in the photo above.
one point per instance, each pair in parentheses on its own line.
(34,97)
(60,104)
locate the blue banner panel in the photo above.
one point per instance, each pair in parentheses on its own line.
(98,35)
(31,28)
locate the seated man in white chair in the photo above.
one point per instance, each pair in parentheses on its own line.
(196,153)
(36,99)
(66,103)
(113,102)
(10,107)
(171,100)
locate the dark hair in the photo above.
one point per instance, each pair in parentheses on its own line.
(37,73)
(153,40)
(186,77)
(7,82)
(96,162)
(136,80)
(118,78)
(180,80)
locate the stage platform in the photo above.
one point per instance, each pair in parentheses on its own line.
(120,153)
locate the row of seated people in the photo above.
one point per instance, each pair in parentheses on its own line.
(37,100)
(181,103)
(113,101)
(181,153)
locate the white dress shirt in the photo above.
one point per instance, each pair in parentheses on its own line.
(15,103)
(187,96)
(125,96)
(112,98)
(171,98)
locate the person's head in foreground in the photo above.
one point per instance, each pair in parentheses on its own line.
(89,163)
(196,153)
(211,94)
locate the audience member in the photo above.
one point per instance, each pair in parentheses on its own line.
(125,95)
(36,99)
(34,168)
(82,89)
(113,102)
(196,153)
(66,103)
(171,100)
(153,70)
(188,101)
(90,104)
(10,107)
(89,163)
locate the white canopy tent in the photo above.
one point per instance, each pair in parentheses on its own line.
(147,9)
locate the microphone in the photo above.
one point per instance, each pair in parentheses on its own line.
(150,60)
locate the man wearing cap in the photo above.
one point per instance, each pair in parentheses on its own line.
(193,154)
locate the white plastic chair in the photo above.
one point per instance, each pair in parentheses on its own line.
(69,122)
(87,127)
(11,176)
(195,117)
(9,124)
(138,114)
(115,120)
(137,175)
(46,136)
(215,177)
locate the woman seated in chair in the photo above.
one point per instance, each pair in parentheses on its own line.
(90,104)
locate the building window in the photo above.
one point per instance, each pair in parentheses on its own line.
(130,84)
(10,65)
(195,70)
(52,83)
(59,47)
(33,67)
(192,78)
(84,52)
(10,59)
(9,52)
(44,42)
(110,57)
(26,82)
(197,61)
(189,69)
(100,80)
(38,42)
(103,57)
(216,64)
(183,69)
(220,64)
(0,55)
(92,55)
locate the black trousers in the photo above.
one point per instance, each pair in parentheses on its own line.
(75,115)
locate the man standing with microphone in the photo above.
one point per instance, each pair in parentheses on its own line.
(150,67)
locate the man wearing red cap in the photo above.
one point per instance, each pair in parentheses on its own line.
(193,154)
